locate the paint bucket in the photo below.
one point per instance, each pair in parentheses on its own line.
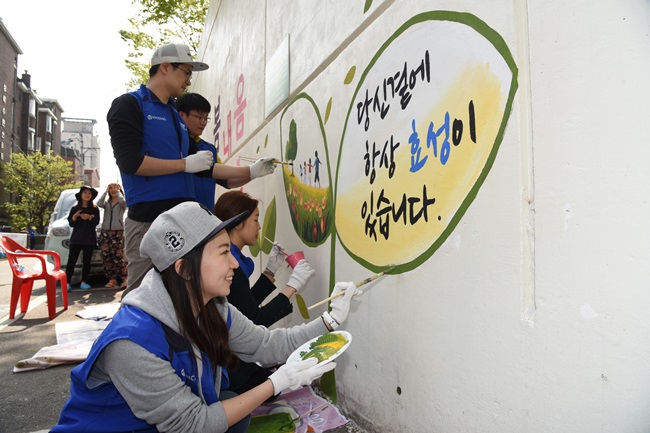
(294,258)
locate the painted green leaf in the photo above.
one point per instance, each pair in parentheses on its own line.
(266,141)
(258,150)
(350,75)
(268,228)
(328,385)
(271,423)
(255,250)
(300,302)
(327,110)
(367,6)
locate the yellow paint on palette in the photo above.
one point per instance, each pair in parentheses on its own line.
(449,184)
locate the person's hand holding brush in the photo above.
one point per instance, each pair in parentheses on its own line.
(276,258)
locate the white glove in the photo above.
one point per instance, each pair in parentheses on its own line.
(301,275)
(276,258)
(262,167)
(200,161)
(341,306)
(296,374)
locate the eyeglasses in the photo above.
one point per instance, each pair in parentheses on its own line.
(200,118)
(188,76)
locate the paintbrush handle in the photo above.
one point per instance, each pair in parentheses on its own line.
(283,251)
(327,403)
(342,292)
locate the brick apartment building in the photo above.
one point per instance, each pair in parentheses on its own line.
(30,123)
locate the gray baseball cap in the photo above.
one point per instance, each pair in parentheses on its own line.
(176,53)
(178,231)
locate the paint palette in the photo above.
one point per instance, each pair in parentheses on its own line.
(326,347)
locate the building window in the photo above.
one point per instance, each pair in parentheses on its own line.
(4,111)
(4,88)
(4,99)
(48,124)
(30,139)
(32,107)
(3,123)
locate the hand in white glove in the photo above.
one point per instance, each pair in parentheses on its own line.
(200,161)
(341,305)
(276,258)
(301,275)
(262,167)
(296,374)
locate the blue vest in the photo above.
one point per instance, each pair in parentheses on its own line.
(164,136)
(206,186)
(103,409)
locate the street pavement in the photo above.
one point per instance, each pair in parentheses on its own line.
(31,401)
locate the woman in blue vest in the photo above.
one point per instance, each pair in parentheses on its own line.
(160,365)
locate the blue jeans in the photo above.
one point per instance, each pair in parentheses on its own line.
(242,425)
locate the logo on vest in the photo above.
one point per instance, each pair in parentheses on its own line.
(174,241)
(191,377)
(151,117)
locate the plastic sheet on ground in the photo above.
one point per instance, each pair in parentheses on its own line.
(74,340)
(324,416)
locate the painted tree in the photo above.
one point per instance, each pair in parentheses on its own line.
(37,180)
(292,144)
(160,22)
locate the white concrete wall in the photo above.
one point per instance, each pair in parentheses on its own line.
(532,315)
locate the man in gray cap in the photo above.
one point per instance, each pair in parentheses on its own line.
(152,149)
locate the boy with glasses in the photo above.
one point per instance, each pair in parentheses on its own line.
(194,109)
(152,149)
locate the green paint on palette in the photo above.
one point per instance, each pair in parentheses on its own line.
(328,110)
(350,75)
(300,302)
(367,6)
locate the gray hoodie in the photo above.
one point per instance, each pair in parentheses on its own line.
(113,213)
(152,388)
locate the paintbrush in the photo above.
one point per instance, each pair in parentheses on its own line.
(275,161)
(293,421)
(273,242)
(359,284)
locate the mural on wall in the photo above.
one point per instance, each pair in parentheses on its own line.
(306,173)
(223,139)
(422,131)
(423,127)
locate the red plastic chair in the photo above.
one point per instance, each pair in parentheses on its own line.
(24,277)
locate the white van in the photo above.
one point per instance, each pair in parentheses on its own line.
(59,231)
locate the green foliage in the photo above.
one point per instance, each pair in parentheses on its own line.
(311,210)
(328,109)
(292,143)
(37,180)
(302,307)
(350,75)
(367,6)
(160,22)
(268,231)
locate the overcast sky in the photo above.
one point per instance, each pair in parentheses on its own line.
(74,53)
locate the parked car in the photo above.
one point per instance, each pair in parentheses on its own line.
(59,231)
